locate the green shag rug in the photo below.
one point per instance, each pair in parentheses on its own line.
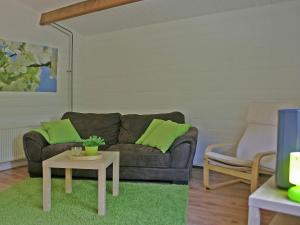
(137,204)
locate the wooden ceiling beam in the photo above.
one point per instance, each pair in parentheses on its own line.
(80,8)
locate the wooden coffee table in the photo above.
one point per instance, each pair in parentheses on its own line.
(63,161)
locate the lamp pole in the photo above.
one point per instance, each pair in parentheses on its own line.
(69,33)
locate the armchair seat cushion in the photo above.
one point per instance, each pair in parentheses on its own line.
(262,169)
(229,160)
(231,167)
(141,156)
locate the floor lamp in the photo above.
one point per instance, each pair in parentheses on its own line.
(288,141)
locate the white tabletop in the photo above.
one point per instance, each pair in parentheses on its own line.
(269,197)
(63,160)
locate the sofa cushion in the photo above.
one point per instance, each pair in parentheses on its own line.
(163,136)
(141,156)
(153,125)
(134,125)
(61,131)
(103,125)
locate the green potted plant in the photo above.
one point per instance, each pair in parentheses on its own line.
(92,144)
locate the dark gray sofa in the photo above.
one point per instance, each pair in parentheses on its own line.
(137,162)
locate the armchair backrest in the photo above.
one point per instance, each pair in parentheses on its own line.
(261,132)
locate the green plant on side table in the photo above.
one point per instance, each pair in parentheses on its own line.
(92,144)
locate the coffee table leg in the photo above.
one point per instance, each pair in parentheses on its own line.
(46,188)
(68,180)
(254,216)
(116,170)
(101,191)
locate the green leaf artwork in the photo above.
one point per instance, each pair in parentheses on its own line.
(27,67)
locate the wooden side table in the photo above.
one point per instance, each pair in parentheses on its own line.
(269,197)
(63,161)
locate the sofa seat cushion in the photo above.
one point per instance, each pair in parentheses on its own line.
(54,149)
(103,125)
(134,125)
(141,156)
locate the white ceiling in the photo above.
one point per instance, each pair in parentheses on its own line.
(143,13)
(47,5)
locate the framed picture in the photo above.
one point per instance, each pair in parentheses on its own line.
(27,67)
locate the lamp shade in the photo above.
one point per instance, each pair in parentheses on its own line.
(295,168)
(288,141)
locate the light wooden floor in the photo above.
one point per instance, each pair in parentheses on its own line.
(225,206)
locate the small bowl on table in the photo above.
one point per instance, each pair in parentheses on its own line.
(76,151)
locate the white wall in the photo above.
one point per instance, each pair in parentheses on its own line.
(209,67)
(21,109)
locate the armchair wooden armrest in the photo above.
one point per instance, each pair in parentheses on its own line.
(255,167)
(259,156)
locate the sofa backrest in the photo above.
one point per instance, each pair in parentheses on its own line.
(106,125)
(134,125)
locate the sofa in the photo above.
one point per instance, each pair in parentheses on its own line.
(137,162)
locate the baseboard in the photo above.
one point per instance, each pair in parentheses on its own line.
(197,164)
(13,164)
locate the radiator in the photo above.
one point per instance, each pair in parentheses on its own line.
(11,144)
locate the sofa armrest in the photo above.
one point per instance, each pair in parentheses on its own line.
(33,143)
(183,149)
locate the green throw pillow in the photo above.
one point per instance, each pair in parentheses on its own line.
(163,136)
(61,131)
(43,133)
(153,125)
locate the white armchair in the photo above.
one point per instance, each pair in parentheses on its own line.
(252,155)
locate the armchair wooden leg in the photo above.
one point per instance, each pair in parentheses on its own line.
(254,178)
(242,176)
(223,184)
(253,184)
(206,175)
